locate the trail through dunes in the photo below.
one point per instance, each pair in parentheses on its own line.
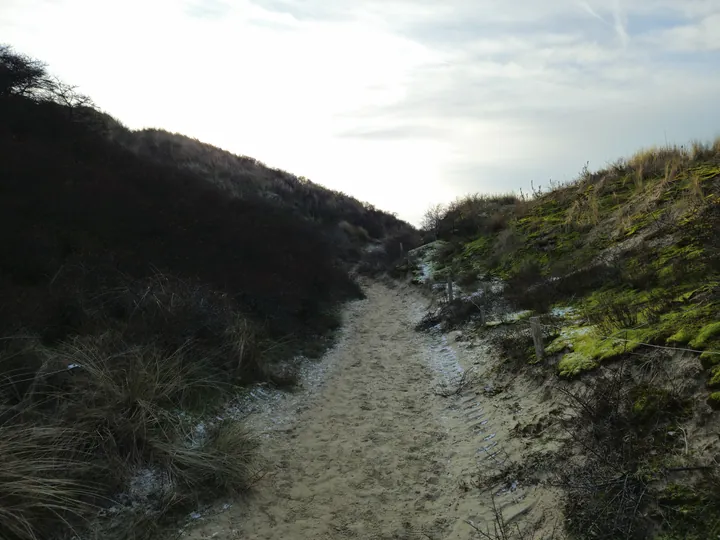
(370,451)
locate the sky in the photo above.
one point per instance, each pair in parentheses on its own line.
(402,103)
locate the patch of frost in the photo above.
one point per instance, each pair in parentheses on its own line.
(562,311)
(426,271)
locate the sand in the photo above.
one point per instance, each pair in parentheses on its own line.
(372,452)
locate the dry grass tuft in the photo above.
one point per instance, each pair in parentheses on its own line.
(700,151)
(45,477)
(224,460)
(81,418)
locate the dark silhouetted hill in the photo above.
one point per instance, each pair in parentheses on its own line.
(143,277)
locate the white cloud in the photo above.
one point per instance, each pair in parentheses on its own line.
(400,102)
(699,36)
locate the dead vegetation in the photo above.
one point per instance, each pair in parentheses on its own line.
(83,418)
(630,448)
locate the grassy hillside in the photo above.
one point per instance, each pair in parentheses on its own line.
(633,248)
(135,296)
(622,267)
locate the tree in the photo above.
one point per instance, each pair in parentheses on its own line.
(66,95)
(20,75)
(433,218)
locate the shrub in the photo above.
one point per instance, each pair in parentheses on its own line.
(225,460)
(624,428)
(474,215)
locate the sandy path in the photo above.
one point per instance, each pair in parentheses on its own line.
(374,453)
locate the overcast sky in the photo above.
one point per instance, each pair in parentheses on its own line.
(402,103)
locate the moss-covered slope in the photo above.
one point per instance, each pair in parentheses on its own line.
(633,248)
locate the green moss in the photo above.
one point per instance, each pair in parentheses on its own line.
(640,221)
(628,297)
(695,511)
(681,337)
(706,171)
(706,333)
(479,247)
(566,339)
(588,347)
(682,325)
(675,494)
(714,400)
(575,363)
(667,274)
(650,402)
(607,348)
(687,295)
(678,251)
(671,316)
(711,358)
(640,405)
(715,377)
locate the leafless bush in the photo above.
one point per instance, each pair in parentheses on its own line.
(432,219)
(622,431)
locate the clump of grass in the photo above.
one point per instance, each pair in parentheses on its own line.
(224,460)
(696,189)
(131,395)
(585,210)
(654,162)
(703,151)
(639,176)
(186,471)
(45,479)
(82,416)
